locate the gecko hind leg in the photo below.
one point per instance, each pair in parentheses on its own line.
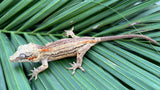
(80,53)
(70,33)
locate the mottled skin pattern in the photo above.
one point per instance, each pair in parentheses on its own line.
(63,48)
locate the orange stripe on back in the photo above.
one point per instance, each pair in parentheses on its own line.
(67,45)
(45,50)
(89,41)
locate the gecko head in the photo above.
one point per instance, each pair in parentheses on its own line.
(25,53)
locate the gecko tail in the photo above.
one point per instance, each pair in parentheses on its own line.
(109,38)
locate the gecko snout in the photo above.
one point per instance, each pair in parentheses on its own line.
(11,60)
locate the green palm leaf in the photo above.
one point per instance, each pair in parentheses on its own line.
(119,64)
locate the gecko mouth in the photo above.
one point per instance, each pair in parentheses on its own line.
(12,60)
(17,60)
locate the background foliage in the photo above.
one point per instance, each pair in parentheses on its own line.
(119,64)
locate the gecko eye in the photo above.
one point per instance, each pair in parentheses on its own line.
(22,56)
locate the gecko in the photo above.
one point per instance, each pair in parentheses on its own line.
(69,47)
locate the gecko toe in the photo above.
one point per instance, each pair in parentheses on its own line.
(71,64)
(69,68)
(82,69)
(33,74)
(35,77)
(31,78)
(74,67)
(73,72)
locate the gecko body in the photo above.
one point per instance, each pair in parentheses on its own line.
(70,47)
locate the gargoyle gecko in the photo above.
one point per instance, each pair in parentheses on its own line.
(75,46)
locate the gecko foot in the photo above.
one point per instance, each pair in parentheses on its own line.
(70,33)
(33,74)
(74,67)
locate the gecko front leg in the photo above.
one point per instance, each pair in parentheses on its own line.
(70,33)
(80,53)
(41,68)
